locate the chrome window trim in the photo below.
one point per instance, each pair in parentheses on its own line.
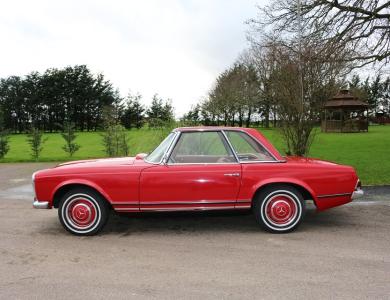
(262,161)
(211,130)
(204,164)
(260,143)
(230,129)
(231,146)
(162,159)
(170,148)
(178,133)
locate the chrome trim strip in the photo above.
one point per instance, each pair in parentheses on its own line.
(41,204)
(231,146)
(357,183)
(33,184)
(230,163)
(357,194)
(182,202)
(182,208)
(172,146)
(211,202)
(179,164)
(129,209)
(262,161)
(186,208)
(244,201)
(334,195)
(125,203)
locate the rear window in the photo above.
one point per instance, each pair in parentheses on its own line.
(247,148)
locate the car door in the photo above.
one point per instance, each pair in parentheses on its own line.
(201,172)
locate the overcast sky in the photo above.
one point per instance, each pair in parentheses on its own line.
(175,48)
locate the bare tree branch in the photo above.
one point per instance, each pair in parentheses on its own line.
(360,27)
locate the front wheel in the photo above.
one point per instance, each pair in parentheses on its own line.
(83,212)
(279,209)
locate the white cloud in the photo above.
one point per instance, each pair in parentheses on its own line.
(170,47)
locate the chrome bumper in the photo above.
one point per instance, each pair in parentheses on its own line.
(40,204)
(357,194)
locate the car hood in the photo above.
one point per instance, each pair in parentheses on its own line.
(103,162)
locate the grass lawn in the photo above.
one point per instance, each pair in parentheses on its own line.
(367,152)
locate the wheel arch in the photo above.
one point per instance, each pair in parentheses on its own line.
(304,189)
(64,187)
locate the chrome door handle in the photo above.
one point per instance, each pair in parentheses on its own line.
(232,174)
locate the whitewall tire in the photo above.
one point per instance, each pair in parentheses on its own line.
(279,208)
(83,211)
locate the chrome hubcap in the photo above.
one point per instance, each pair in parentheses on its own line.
(281,210)
(81,213)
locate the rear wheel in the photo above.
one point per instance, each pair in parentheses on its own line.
(83,212)
(279,208)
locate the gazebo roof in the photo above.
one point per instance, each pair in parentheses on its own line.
(344,99)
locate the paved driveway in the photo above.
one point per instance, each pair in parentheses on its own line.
(341,253)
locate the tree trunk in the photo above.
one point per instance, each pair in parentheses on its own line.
(248,119)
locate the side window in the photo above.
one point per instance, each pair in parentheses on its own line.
(247,148)
(201,147)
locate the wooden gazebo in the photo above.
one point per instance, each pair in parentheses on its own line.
(345,113)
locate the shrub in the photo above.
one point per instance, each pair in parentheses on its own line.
(69,136)
(36,140)
(4,143)
(115,141)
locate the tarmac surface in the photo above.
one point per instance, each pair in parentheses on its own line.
(342,253)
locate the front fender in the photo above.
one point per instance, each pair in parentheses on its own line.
(85,182)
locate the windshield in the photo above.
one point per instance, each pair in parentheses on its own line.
(158,153)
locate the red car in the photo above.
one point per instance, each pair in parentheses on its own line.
(198,168)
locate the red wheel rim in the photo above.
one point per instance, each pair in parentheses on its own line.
(81,212)
(281,209)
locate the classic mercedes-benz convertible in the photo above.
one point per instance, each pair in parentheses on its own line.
(196,168)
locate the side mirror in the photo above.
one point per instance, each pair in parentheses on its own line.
(140,156)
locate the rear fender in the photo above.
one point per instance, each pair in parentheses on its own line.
(283,180)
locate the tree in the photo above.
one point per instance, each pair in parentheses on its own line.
(4,137)
(375,91)
(35,139)
(56,96)
(192,117)
(115,140)
(69,136)
(301,87)
(4,143)
(159,112)
(133,115)
(234,96)
(359,28)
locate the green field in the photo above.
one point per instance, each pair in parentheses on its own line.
(367,152)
